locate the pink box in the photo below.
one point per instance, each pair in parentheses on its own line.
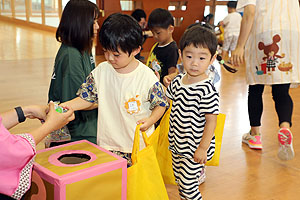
(78,170)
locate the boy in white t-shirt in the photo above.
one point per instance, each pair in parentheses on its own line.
(231,24)
(126,91)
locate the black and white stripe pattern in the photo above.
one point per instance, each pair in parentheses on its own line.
(187,119)
(187,174)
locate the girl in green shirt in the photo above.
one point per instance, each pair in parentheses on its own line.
(74,62)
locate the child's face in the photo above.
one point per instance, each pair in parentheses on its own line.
(120,60)
(230,10)
(95,27)
(161,35)
(196,60)
(143,23)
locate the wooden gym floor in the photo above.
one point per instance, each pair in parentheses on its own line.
(26,63)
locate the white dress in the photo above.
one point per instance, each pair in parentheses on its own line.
(272,52)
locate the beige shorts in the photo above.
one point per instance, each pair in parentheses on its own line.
(229,43)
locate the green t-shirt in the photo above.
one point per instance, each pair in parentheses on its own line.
(70,70)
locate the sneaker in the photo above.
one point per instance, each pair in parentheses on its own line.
(285,138)
(253,141)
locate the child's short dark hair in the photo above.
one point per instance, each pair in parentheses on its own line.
(138,14)
(199,36)
(76,27)
(161,18)
(231,4)
(120,31)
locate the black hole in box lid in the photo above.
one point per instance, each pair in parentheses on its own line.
(74,158)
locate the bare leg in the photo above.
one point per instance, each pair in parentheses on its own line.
(225,55)
(255,130)
(285,125)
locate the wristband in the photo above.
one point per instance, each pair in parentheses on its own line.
(222,62)
(20,113)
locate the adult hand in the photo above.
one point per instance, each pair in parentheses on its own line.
(36,111)
(56,120)
(237,56)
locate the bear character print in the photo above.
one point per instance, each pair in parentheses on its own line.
(271,57)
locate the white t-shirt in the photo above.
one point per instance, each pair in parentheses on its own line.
(122,101)
(232,24)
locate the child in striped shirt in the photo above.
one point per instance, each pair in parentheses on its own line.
(194,111)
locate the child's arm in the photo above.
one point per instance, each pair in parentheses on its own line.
(87,98)
(237,56)
(200,155)
(171,63)
(79,104)
(168,78)
(165,90)
(158,104)
(156,114)
(172,70)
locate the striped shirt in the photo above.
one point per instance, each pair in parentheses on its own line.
(187,118)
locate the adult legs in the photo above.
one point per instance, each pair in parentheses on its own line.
(255,107)
(284,109)
(283,104)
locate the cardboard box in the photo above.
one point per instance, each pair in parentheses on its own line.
(78,170)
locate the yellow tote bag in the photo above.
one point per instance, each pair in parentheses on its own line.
(163,153)
(218,135)
(150,53)
(144,178)
(154,137)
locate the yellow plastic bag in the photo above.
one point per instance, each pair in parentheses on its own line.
(144,178)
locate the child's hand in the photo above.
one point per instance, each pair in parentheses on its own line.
(200,155)
(64,105)
(157,74)
(145,124)
(167,80)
